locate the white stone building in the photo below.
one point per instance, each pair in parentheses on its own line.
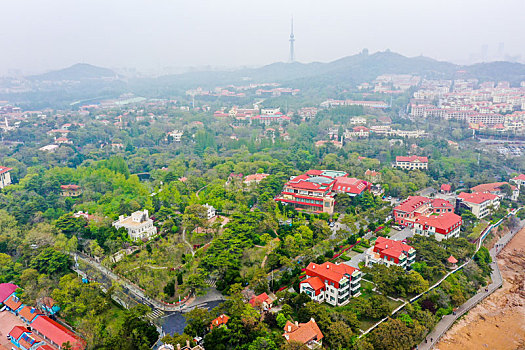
(138,225)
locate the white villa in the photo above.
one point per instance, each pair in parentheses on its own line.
(138,225)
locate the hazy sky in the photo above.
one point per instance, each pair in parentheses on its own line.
(37,35)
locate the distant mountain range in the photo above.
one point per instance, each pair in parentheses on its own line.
(77,72)
(344,72)
(351,69)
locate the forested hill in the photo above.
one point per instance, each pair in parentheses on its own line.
(77,72)
(350,70)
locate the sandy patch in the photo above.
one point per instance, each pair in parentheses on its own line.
(498,322)
(7,322)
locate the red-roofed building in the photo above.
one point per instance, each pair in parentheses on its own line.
(5,177)
(445,188)
(411,163)
(255,178)
(268,119)
(262,300)
(497,189)
(315,190)
(6,289)
(13,303)
(56,334)
(307,333)
(442,226)
(332,283)
(389,252)
(414,206)
(372,176)
(518,180)
(479,203)
(70,190)
(28,313)
(219,321)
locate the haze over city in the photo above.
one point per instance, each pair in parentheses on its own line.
(152,36)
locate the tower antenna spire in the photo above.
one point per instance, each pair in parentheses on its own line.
(292,40)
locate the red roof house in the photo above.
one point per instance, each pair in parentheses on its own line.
(305,333)
(219,321)
(56,333)
(263,300)
(446,188)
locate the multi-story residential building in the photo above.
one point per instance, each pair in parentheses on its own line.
(358,121)
(268,119)
(307,333)
(411,163)
(480,204)
(357,131)
(315,190)
(331,283)
(210,211)
(389,252)
(139,225)
(497,189)
(442,226)
(5,177)
(410,209)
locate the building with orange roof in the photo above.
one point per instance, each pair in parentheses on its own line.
(254,178)
(411,163)
(307,333)
(70,190)
(442,226)
(415,206)
(28,313)
(497,189)
(13,303)
(262,300)
(219,321)
(331,283)
(390,252)
(5,176)
(480,204)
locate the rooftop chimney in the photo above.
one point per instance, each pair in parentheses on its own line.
(296,324)
(178,346)
(188,344)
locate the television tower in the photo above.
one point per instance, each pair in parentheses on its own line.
(292,40)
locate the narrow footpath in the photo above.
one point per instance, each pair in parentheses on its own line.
(497,281)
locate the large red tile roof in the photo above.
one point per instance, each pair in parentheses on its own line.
(13,302)
(390,247)
(4,169)
(477,197)
(29,312)
(491,187)
(442,221)
(412,159)
(315,282)
(303,332)
(328,270)
(56,332)
(17,331)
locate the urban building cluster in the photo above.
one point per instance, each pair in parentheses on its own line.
(481,106)
(33,328)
